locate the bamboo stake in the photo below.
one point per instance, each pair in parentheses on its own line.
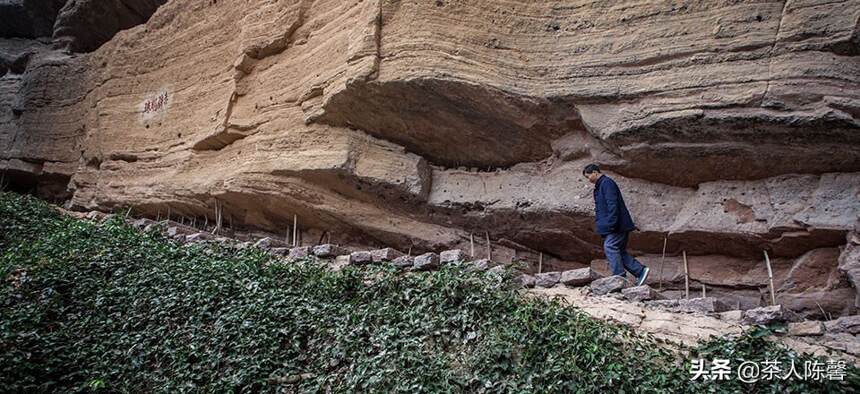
(168,213)
(489,247)
(662,260)
(471,245)
(686,276)
(218,217)
(540,262)
(704,295)
(328,240)
(770,279)
(295,230)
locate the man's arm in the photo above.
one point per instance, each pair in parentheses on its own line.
(610,194)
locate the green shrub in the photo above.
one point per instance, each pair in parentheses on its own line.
(89,307)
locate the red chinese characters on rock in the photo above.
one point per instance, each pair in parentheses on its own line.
(155,104)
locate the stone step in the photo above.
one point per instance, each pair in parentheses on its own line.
(640,293)
(767,315)
(607,285)
(578,277)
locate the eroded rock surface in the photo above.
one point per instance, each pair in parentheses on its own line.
(732,128)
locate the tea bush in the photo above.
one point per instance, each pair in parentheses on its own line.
(88,306)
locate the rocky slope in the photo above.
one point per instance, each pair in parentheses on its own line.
(732,127)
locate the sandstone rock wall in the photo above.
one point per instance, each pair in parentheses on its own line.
(731,126)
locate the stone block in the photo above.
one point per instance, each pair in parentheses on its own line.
(328,251)
(703,305)
(450,256)
(847,324)
(384,254)
(764,315)
(578,277)
(806,328)
(280,251)
(300,252)
(426,261)
(526,280)
(264,243)
(197,237)
(640,293)
(547,279)
(360,257)
(608,285)
(734,316)
(340,262)
(403,262)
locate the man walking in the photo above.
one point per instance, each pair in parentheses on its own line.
(613,224)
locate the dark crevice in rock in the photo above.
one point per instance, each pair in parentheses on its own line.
(219,140)
(84,25)
(126,157)
(52,187)
(738,146)
(453,123)
(28,18)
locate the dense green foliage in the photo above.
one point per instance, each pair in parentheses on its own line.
(90,306)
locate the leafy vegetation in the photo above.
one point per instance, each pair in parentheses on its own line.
(90,306)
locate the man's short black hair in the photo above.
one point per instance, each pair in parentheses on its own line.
(590,169)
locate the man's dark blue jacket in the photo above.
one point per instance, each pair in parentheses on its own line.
(610,213)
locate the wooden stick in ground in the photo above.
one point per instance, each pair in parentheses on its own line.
(770,279)
(704,295)
(489,247)
(540,262)
(471,245)
(662,259)
(295,230)
(218,222)
(686,276)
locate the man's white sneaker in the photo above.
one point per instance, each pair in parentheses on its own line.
(642,278)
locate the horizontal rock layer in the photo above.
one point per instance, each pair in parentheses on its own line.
(731,127)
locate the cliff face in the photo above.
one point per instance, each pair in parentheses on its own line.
(731,126)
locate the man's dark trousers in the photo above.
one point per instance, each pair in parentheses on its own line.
(615,247)
(614,223)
